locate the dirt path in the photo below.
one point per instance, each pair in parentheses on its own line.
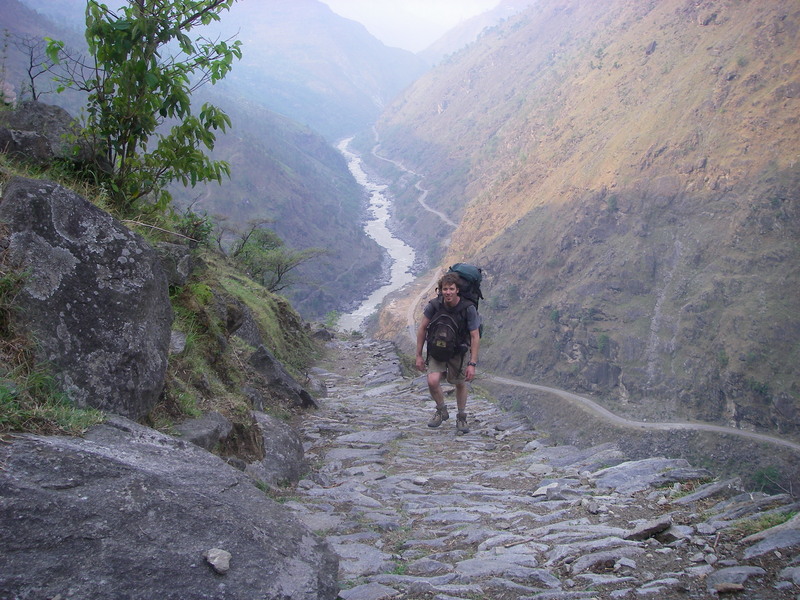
(421,199)
(600,412)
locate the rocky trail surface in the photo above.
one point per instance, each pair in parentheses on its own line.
(498,513)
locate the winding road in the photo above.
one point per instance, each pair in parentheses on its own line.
(581,402)
(591,406)
(423,192)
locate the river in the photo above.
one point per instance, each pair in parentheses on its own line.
(401,255)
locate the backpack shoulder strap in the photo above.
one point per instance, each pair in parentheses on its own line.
(461,312)
(464,305)
(437,304)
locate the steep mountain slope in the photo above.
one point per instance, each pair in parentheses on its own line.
(23,31)
(291,177)
(300,60)
(626,172)
(468,31)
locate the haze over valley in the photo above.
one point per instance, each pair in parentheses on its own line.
(218,397)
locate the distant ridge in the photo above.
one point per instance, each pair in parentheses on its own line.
(468,31)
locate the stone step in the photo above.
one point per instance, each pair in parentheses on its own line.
(416,512)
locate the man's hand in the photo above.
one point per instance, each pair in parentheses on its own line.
(421,366)
(470,374)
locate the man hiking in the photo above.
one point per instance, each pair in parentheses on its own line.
(450,325)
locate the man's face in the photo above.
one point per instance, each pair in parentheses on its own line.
(450,293)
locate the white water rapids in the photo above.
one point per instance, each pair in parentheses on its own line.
(401,254)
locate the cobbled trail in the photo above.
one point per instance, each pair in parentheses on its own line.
(498,513)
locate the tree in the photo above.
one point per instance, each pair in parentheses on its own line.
(266,259)
(142,70)
(34,49)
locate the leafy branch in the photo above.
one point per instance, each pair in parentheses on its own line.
(139,76)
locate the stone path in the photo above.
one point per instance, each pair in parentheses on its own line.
(420,513)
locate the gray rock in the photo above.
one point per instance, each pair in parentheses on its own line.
(177,342)
(726,488)
(239,320)
(427,566)
(220,560)
(27,146)
(649,528)
(791,574)
(177,262)
(255,397)
(132,510)
(482,567)
(357,559)
(40,131)
(605,559)
(793,523)
(682,474)
(675,533)
(780,540)
(379,437)
(369,591)
(585,459)
(744,505)
(206,431)
(96,299)
(284,458)
(279,379)
(565,552)
(635,476)
(732,575)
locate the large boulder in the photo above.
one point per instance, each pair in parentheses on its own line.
(132,513)
(284,457)
(279,379)
(95,300)
(38,132)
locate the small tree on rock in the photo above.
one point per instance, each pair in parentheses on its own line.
(262,253)
(142,69)
(37,63)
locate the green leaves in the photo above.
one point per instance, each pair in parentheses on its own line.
(267,260)
(145,66)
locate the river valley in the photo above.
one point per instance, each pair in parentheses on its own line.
(401,256)
(563,413)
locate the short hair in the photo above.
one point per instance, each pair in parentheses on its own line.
(450,278)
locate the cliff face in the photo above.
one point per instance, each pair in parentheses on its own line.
(626,173)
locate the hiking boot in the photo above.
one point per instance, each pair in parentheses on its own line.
(439,416)
(461,423)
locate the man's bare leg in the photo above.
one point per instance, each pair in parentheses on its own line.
(435,389)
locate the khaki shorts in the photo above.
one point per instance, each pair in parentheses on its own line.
(455,368)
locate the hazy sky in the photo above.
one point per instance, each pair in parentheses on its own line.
(409,24)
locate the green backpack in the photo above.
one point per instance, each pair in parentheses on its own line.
(471,277)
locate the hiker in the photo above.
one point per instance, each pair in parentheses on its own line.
(460,367)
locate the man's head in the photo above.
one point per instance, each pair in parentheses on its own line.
(450,279)
(449,285)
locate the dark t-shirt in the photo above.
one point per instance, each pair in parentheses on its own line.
(473,320)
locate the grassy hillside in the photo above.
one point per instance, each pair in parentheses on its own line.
(627,174)
(210,371)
